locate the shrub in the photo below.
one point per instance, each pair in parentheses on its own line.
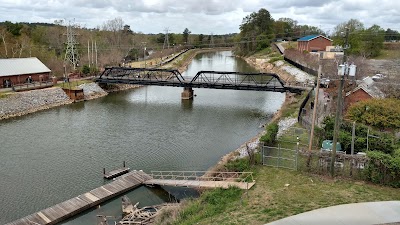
(269,138)
(383,168)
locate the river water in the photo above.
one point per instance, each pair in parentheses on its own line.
(54,155)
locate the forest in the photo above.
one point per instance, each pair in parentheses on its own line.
(115,42)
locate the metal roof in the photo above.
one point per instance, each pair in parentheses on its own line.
(310,37)
(19,66)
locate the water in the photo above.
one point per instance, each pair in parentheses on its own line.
(54,155)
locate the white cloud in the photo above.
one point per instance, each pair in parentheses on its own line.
(206,16)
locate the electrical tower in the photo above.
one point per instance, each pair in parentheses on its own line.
(212,41)
(166,41)
(71,52)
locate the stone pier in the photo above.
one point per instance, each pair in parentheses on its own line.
(187,93)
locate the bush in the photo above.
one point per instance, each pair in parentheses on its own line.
(269,138)
(238,165)
(384,143)
(383,168)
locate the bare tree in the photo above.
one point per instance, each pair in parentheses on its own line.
(3,36)
(116,26)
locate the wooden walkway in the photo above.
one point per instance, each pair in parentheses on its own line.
(71,207)
(200,183)
(202,179)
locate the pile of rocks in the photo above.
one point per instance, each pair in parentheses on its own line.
(285,124)
(92,90)
(299,75)
(22,103)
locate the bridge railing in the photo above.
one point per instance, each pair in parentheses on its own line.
(203,176)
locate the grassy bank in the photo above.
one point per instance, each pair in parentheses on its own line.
(278,193)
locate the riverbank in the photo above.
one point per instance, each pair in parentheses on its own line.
(22,103)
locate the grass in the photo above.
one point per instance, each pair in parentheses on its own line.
(289,44)
(291,107)
(389,54)
(271,199)
(5,94)
(72,84)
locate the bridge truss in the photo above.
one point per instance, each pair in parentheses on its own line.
(203,79)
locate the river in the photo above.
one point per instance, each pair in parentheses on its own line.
(54,155)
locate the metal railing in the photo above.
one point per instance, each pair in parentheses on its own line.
(203,176)
(33,85)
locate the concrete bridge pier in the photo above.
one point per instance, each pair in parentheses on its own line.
(187,93)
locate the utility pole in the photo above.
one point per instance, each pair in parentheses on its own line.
(343,70)
(212,41)
(144,53)
(315,106)
(88,52)
(95,47)
(71,53)
(353,136)
(166,40)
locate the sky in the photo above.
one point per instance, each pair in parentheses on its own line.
(201,16)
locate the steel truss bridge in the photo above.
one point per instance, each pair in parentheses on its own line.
(203,79)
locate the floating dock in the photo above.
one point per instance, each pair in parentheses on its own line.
(74,206)
(116,173)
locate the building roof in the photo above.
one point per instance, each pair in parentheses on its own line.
(311,37)
(368,85)
(19,66)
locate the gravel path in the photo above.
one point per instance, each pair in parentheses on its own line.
(22,103)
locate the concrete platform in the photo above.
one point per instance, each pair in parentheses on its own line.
(367,213)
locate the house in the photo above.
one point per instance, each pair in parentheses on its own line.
(365,90)
(313,43)
(16,71)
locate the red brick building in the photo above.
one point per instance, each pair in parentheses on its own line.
(313,43)
(16,71)
(365,90)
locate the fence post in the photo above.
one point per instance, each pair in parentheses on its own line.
(279,155)
(262,155)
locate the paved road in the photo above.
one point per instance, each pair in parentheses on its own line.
(367,213)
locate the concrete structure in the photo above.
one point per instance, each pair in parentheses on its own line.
(313,43)
(16,71)
(366,213)
(365,90)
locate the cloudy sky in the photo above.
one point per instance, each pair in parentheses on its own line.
(201,16)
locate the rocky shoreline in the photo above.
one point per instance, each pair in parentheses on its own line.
(22,103)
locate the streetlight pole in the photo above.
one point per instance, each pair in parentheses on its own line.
(342,71)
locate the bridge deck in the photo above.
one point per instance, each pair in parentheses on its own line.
(73,206)
(200,184)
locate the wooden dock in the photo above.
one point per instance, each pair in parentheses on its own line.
(73,206)
(200,183)
(116,173)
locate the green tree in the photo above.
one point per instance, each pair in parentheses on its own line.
(255,27)
(373,39)
(382,114)
(186,33)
